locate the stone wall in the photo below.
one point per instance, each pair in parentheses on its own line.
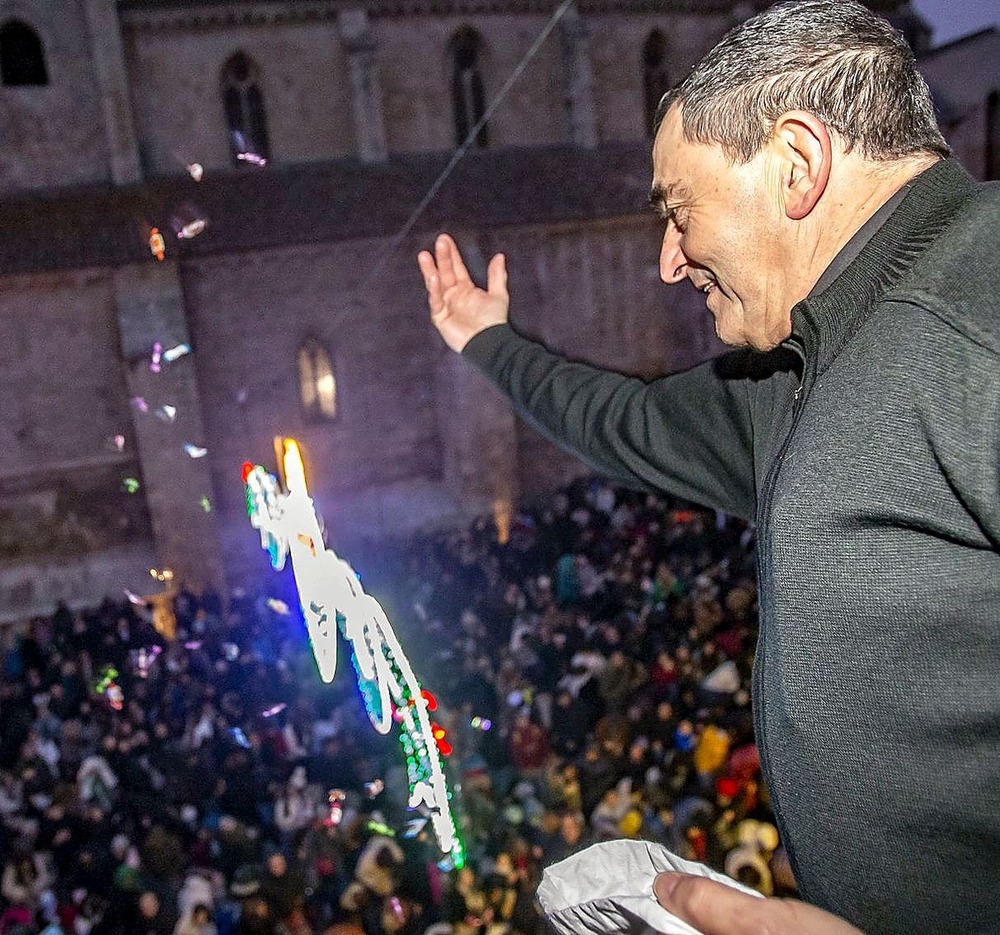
(962,75)
(175,75)
(31,589)
(53,135)
(60,373)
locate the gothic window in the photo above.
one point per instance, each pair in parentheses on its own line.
(22,59)
(245,114)
(467,95)
(317,382)
(992,166)
(655,75)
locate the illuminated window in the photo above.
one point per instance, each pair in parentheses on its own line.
(22,59)
(655,75)
(317,382)
(245,114)
(467,95)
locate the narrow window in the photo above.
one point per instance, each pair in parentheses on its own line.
(992,167)
(317,382)
(655,75)
(246,117)
(22,59)
(467,94)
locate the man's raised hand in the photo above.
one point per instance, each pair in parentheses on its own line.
(459,308)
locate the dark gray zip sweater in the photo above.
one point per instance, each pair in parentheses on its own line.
(867,450)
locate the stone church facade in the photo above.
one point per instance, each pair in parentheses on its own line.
(314,141)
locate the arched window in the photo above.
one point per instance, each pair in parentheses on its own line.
(991,169)
(655,75)
(22,58)
(317,382)
(245,115)
(467,95)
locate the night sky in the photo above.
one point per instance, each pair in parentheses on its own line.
(953,18)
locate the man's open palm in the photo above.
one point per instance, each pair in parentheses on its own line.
(459,308)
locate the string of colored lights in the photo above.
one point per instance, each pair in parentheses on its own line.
(332,599)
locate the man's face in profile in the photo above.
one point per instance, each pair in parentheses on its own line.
(722,234)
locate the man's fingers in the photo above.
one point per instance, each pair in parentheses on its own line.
(451,267)
(712,908)
(496,276)
(431,280)
(717,909)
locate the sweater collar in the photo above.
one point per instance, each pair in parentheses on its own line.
(825,321)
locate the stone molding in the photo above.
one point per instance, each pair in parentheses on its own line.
(184,15)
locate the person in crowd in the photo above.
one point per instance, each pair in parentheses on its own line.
(133,825)
(807,191)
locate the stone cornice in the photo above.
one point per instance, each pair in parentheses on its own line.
(277,207)
(183,15)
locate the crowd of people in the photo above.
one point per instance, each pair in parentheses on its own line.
(591,666)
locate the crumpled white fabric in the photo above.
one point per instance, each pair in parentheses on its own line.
(607,889)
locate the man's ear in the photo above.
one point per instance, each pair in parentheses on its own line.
(804,147)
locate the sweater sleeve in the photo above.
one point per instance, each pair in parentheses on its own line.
(688,434)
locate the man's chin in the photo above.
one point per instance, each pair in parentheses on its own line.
(730,336)
(734,335)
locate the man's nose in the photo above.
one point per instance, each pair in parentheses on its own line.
(673,261)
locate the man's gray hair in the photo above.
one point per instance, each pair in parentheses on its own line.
(833,58)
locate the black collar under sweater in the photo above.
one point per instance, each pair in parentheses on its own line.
(825,322)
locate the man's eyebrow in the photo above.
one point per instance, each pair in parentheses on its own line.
(660,195)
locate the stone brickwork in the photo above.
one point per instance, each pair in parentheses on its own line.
(176,92)
(177,487)
(113,90)
(360,122)
(616,44)
(962,75)
(60,377)
(53,135)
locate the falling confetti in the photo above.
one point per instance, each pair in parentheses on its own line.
(172,353)
(279,607)
(140,404)
(157,356)
(157,246)
(206,504)
(143,658)
(193,451)
(195,170)
(134,598)
(119,442)
(188,221)
(167,413)
(245,152)
(277,709)
(130,485)
(241,396)
(414,826)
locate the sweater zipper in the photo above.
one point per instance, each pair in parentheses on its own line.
(764,553)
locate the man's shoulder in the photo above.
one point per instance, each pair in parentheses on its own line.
(958,277)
